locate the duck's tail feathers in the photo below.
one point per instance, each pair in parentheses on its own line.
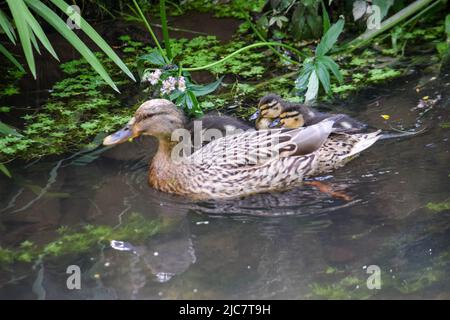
(365,141)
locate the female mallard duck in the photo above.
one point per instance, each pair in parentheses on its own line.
(273,111)
(240,164)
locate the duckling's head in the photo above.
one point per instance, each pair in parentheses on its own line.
(291,118)
(157,117)
(269,108)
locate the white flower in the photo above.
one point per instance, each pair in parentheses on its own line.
(153,78)
(181,84)
(168,85)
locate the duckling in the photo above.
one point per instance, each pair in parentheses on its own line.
(240,164)
(271,107)
(295,116)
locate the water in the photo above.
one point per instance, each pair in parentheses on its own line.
(299,244)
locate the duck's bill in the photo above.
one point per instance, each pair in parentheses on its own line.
(275,123)
(120,136)
(254,116)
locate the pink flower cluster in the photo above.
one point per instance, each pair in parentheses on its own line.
(169,85)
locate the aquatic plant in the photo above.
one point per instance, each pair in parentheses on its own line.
(318,68)
(136,228)
(163,59)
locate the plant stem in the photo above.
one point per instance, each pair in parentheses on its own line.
(149,28)
(255,30)
(165,30)
(254,45)
(367,36)
(417,16)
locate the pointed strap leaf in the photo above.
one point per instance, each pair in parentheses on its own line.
(91,33)
(24,35)
(7,27)
(36,28)
(56,22)
(10,57)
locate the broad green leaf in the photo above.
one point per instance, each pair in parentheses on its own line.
(5,170)
(194,105)
(7,27)
(91,33)
(201,90)
(324,76)
(175,95)
(191,100)
(302,81)
(10,57)
(330,38)
(153,57)
(332,66)
(325,18)
(24,35)
(313,87)
(56,22)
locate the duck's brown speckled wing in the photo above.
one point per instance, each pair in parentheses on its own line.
(255,148)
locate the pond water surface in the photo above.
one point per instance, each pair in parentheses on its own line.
(299,244)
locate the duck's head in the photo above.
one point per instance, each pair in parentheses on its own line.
(290,118)
(270,107)
(157,117)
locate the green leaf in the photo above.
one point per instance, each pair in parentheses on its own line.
(191,101)
(447,26)
(201,90)
(330,38)
(24,35)
(91,33)
(10,57)
(56,22)
(301,83)
(7,27)
(313,87)
(5,170)
(36,29)
(325,18)
(332,66)
(33,40)
(153,57)
(7,130)
(324,76)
